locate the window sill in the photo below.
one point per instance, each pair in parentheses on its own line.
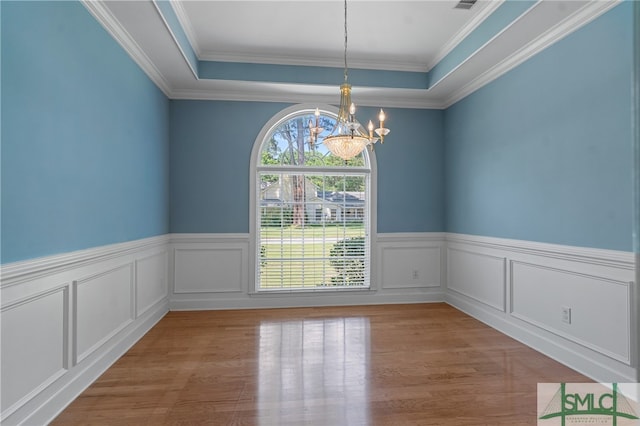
(313,292)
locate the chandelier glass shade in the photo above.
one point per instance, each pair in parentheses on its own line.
(346,141)
(348,138)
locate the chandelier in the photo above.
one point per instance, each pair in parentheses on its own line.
(347,139)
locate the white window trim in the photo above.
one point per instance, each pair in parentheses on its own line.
(253,170)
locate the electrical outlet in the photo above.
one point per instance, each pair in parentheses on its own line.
(415,274)
(566,314)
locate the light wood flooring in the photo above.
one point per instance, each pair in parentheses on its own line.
(422,364)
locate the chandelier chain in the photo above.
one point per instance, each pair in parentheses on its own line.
(345,41)
(348,138)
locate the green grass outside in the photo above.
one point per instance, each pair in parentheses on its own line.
(313,231)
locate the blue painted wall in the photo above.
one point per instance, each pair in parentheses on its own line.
(211,143)
(84,136)
(210,153)
(411,171)
(93,153)
(544,152)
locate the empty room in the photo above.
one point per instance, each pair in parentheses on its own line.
(319,212)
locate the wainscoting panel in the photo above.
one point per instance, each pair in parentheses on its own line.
(409,264)
(479,276)
(210,269)
(102,306)
(152,284)
(599,307)
(32,327)
(67,318)
(522,288)
(214,271)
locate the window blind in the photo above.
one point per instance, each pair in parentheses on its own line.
(313,229)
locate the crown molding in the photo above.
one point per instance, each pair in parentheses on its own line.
(489,8)
(102,14)
(163,18)
(318,61)
(582,17)
(393,98)
(417,100)
(484,46)
(187,27)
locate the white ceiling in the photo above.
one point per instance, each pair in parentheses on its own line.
(386,35)
(396,35)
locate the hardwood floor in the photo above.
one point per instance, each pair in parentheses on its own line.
(423,364)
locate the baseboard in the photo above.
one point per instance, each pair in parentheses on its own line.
(268,301)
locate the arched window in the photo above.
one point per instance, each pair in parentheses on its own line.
(312,216)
